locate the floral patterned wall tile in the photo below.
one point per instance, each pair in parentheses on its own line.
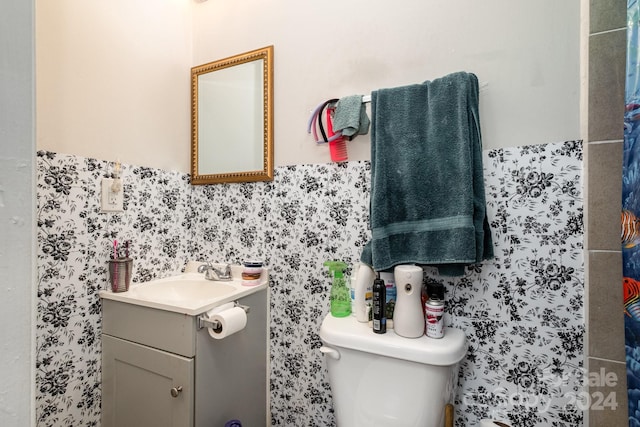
(67,339)
(527,301)
(526,304)
(74,242)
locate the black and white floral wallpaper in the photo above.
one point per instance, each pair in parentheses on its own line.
(522,312)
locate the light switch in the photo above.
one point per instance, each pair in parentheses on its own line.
(112,199)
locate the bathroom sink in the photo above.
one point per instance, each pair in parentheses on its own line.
(182,290)
(188,293)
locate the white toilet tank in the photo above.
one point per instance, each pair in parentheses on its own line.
(387,380)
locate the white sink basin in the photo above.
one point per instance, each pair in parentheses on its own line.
(182,290)
(188,293)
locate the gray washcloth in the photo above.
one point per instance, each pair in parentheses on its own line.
(350,116)
(427,188)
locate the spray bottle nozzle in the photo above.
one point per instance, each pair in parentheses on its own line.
(336,267)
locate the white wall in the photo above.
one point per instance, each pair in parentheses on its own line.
(526,53)
(113,76)
(113,80)
(17,216)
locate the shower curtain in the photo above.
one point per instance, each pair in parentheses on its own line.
(631,214)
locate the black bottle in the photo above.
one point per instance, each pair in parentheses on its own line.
(379,298)
(435,291)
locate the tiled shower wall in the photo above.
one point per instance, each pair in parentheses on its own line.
(605,351)
(522,312)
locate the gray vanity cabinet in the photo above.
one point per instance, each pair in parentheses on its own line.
(144,386)
(160,369)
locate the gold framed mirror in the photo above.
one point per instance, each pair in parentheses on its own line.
(232,119)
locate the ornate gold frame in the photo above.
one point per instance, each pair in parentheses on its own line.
(266,174)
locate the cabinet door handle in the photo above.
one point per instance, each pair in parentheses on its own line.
(175,391)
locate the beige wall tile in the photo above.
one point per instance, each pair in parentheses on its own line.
(606,307)
(607,62)
(604,199)
(607,15)
(608,389)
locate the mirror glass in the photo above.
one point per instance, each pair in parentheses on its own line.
(232,119)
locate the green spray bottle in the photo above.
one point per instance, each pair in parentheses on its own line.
(340,296)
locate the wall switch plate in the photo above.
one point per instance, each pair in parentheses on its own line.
(112,201)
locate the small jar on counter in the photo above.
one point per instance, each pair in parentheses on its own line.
(252,270)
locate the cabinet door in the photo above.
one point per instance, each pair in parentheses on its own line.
(142,386)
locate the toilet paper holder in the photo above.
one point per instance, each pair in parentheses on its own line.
(204,322)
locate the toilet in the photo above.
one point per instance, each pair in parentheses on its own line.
(388,380)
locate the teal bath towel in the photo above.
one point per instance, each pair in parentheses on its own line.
(427,188)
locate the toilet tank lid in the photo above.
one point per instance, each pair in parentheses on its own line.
(347,332)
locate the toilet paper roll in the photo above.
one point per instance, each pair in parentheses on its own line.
(492,423)
(231,321)
(220,308)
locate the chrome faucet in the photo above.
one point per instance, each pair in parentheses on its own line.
(212,273)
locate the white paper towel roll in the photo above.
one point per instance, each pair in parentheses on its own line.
(231,321)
